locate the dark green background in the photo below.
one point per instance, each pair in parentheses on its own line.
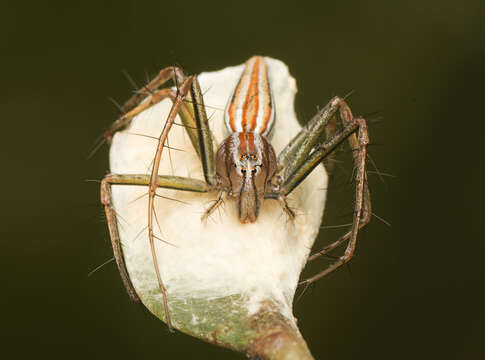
(415,290)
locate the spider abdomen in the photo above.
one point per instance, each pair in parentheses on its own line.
(250,108)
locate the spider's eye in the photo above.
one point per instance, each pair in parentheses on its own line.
(243,171)
(254,171)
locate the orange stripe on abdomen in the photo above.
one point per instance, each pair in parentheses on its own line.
(250,108)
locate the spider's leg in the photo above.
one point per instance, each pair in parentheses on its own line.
(169,73)
(194,119)
(179,100)
(197,126)
(106,200)
(362,204)
(329,162)
(298,149)
(214,206)
(364,220)
(127,108)
(188,104)
(303,161)
(204,145)
(346,116)
(169,182)
(191,112)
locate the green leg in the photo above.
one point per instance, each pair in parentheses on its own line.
(195,120)
(298,149)
(305,152)
(191,111)
(362,211)
(133,103)
(204,136)
(168,182)
(317,156)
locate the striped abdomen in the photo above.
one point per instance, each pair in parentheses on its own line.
(251,107)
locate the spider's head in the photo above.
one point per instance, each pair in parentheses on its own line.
(245,164)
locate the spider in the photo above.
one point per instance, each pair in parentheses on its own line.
(245,168)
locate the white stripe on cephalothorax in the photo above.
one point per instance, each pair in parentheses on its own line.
(259,146)
(235,147)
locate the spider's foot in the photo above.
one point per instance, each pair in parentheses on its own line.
(286,208)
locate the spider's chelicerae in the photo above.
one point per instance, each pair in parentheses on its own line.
(245,167)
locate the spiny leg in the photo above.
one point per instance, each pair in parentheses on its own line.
(168,182)
(291,158)
(194,118)
(364,220)
(362,204)
(312,152)
(214,206)
(297,150)
(347,118)
(195,121)
(169,73)
(202,141)
(163,76)
(303,160)
(181,94)
(192,113)
(204,136)
(362,207)
(106,200)
(286,208)
(329,161)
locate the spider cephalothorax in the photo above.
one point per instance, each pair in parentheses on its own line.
(245,166)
